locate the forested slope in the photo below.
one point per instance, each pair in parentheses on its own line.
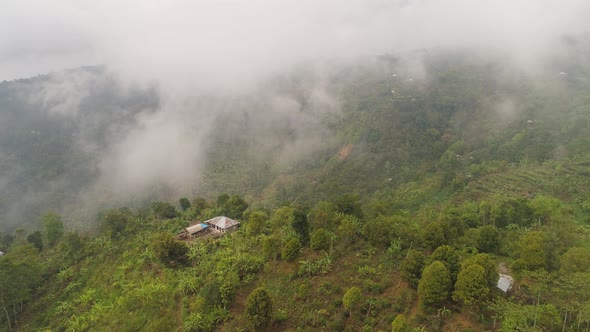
(417,192)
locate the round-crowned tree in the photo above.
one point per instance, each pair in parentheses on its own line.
(352,299)
(258,310)
(412,267)
(471,287)
(435,285)
(320,239)
(291,249)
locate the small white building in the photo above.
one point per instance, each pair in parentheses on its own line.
(505,282)
(1,253)
(223,224)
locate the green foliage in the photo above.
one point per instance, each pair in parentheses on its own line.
(435,285)
(36,239)
(256,222)
(314,267)
(271,247)
(19,275)
(322,214)
(222,200)
(543,317)
(349,204)
(450,258)
(471,287)
(379,231)
(259,308)
(291,249)
(513,211)
(417,184)
(534,251)
(301,226)
(576,259)
(349,231)
(320,239)
(544,207)
(116,222)
(229,287)
(233,206)
(169,250)
(352,299)
(433,235)
(185,204)
(412,266)
(53,229)
(487,262)
(199,204)
(400,324)
(488,239)
(163,210)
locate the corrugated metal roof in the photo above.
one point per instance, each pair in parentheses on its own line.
(505,282)
(1,253)
(196,228)
(222,222)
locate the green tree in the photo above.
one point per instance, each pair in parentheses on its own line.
(258,309)
(199,204)
(291,249)
(228,288)
(379,231)
(489,265)
(282,216)
(322,214)
(576,259)
(36,239)
(488,239)
(352,298)
(534,251)
(433,235)
(435,285)
(256,222)
(169,250)
(222,199)
(234,207)
(271,247)
(450,258)
(544,207)
(53,228)
(400,324)
(349,204)
(471,287)
(115,222)
(163,210)
(320,240)
(185,204)
(19,275)
(412,266)
(301,226)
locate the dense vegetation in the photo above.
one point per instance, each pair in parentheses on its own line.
(400,221)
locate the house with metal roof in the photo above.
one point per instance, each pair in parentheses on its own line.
(195,229)
(223,224)
(505,282)
(1,253)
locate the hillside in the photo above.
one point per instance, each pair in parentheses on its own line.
(369,199)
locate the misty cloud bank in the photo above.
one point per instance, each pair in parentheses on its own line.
(210,60)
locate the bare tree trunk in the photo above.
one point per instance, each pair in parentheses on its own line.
(7,315)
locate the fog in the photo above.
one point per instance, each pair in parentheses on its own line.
(204,58)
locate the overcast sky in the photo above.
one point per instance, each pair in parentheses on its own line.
(233,42)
